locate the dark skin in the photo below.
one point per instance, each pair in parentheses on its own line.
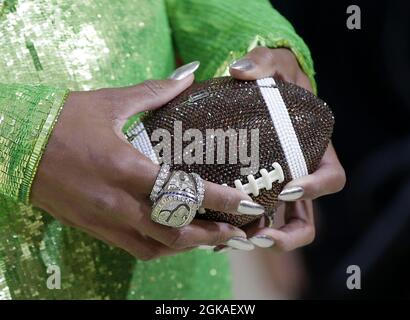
(91,178)
(299,227)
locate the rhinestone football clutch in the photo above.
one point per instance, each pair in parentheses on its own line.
(255,136)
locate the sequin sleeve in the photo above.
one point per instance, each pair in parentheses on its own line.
(213,31)
(27,116)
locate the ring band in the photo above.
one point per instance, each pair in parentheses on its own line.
(159,181)
(200,189)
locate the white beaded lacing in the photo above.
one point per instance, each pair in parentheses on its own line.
(264,182)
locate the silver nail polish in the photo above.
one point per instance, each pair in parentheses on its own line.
(240,244)
(222,249)
(250,207)
(262,241)
(291,194)
(184,71)
(243,64)
(205,247)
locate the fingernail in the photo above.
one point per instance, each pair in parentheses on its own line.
(262,241)
(184,71)
(240,243)
(221,248)
(291,194)
(244,64)
(250,207)
(205,247)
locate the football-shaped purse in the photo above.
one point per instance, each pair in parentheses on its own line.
(252,135)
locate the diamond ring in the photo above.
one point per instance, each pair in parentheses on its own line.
(179,200)
(159,182)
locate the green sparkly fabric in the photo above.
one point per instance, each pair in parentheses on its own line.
(50,46)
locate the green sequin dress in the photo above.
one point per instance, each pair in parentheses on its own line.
(48,47)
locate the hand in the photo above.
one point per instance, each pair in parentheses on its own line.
(91,178)
(299,228)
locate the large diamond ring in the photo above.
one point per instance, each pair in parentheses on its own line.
(200,189)
(159,182)
(177,203)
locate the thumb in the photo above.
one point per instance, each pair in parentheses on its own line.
(263,62)
(257,64)
(152,94)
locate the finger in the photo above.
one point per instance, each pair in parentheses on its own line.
(303,81)
(143,248)
(298,231)
(115,234)
(230,200)
(198,232)
(98,236)
(141,181)
(256,235)
(152,94)
(137,214)
(216,197)
(264,62)
(328,178)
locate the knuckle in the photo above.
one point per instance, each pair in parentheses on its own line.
(270,55)
(147,254)
(282,246)
(151,88)
(138,214)
(262,51)
(218,238)
(303,77)
(311,234)
(107,203)
(124,166)
(314,187)
(285,55)
(108,100)
(341,178)
(106,161)
(316,190)
(180,240)
(228,202)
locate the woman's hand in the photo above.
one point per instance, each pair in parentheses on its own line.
(91,178)
(298,229)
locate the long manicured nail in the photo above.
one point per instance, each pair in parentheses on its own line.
(205,247)
(244,64)
(262,241)
(240,243)
(184,71)
(291,194)
(221,248)
(250,207)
